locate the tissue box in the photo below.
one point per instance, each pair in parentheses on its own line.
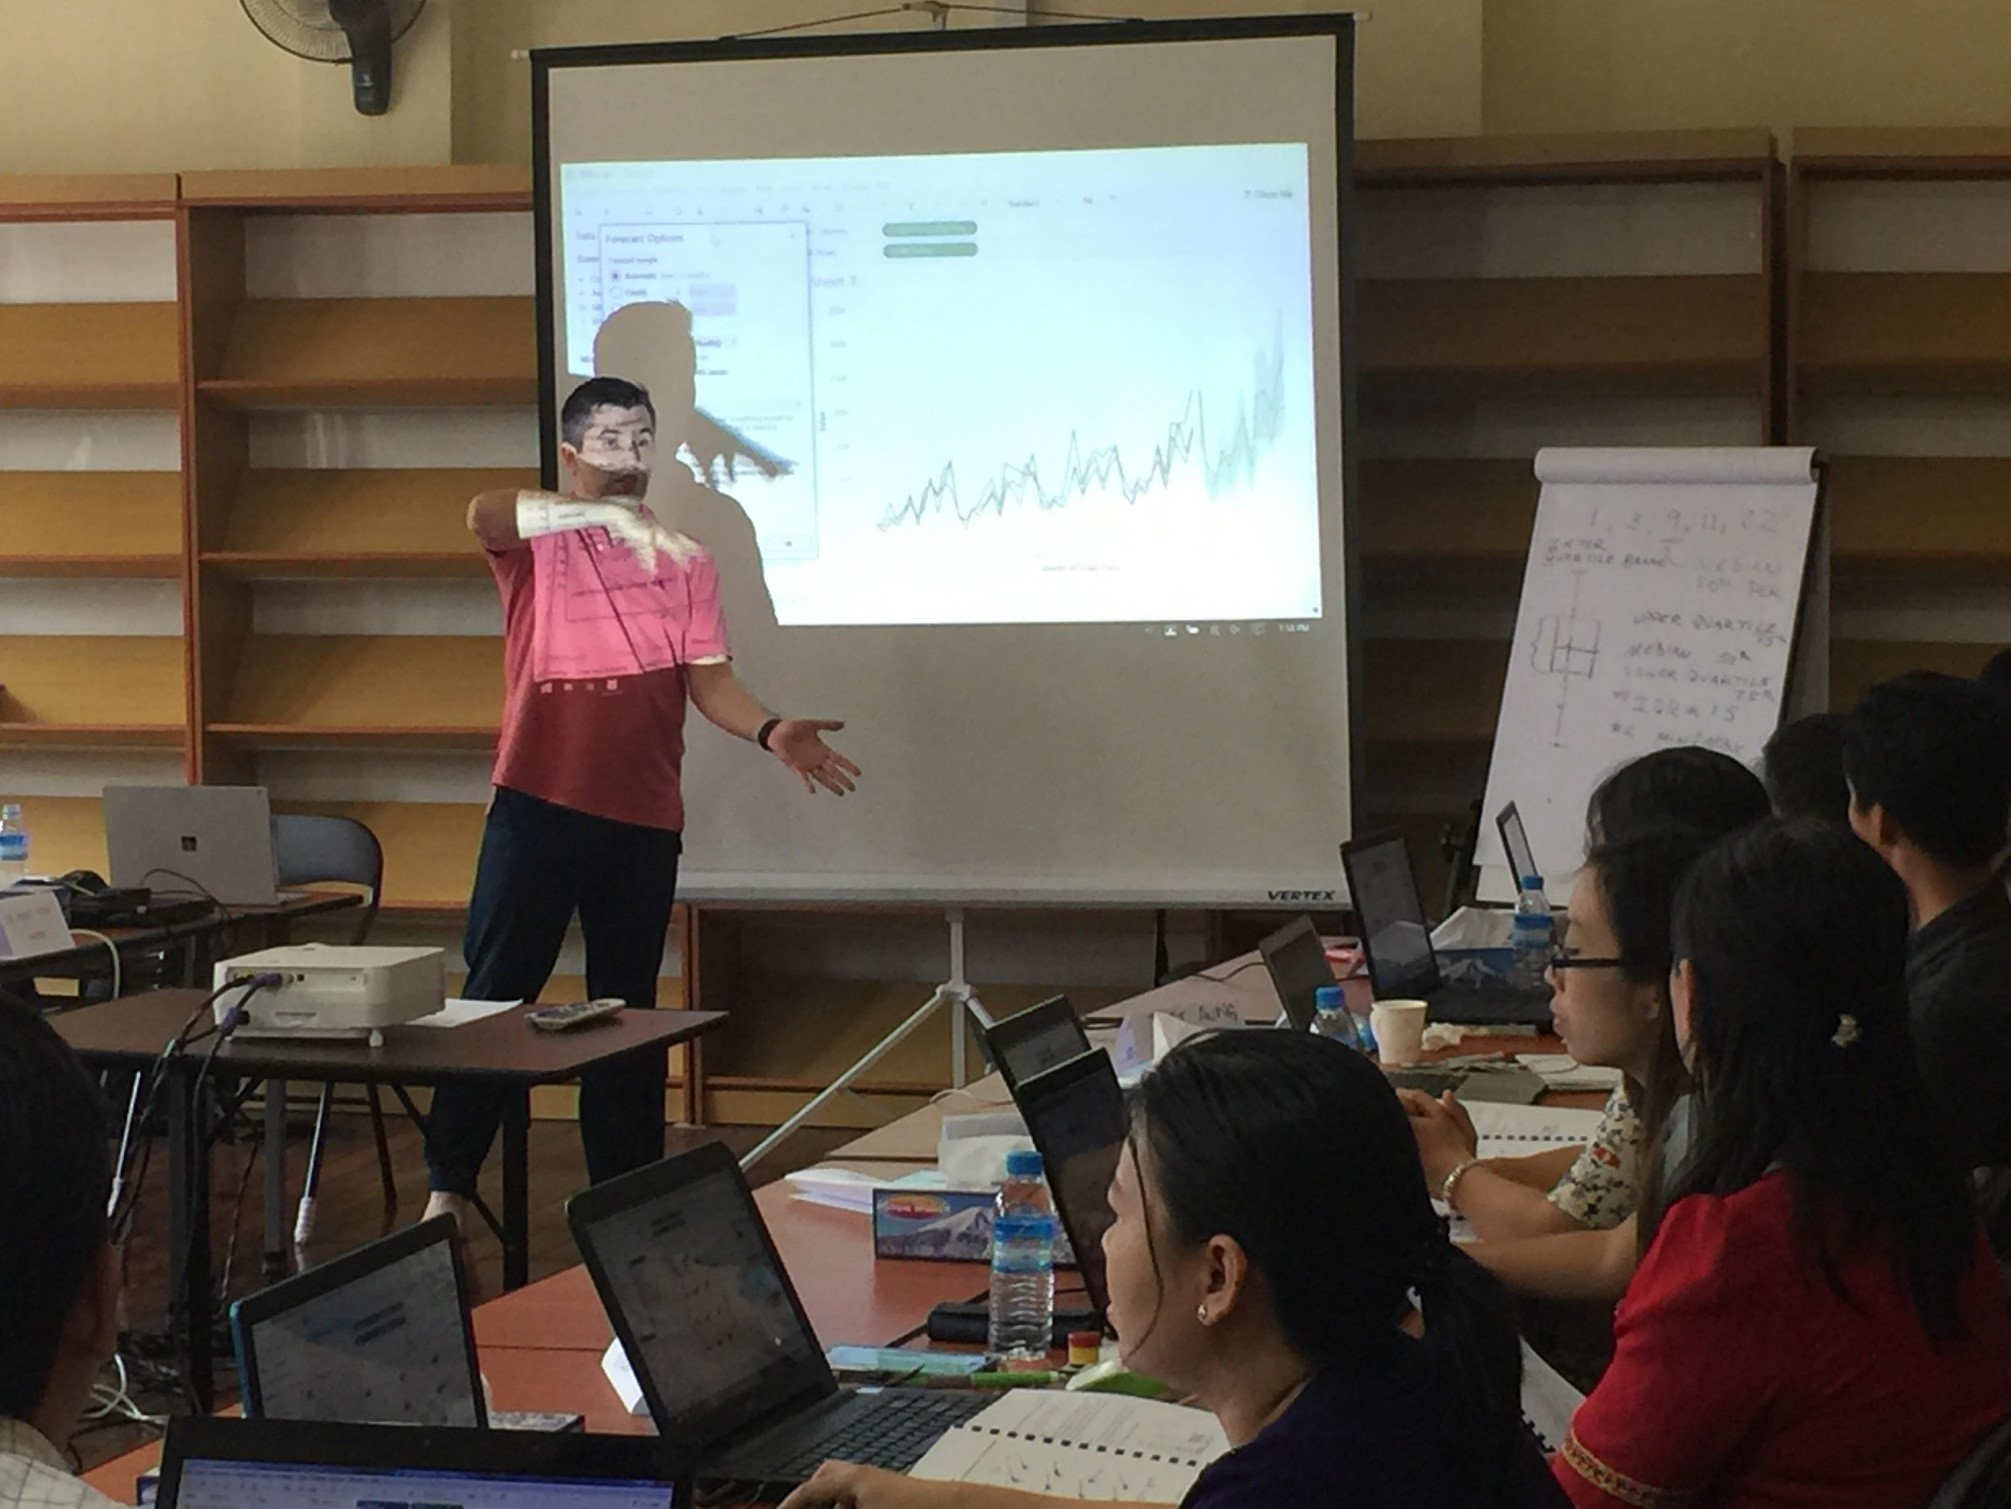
(948,1225)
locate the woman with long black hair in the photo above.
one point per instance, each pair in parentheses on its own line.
(1275,1255)
(1814,1320)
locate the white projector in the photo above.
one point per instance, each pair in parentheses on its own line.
(329,991)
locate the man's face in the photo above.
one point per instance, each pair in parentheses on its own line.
(614,456)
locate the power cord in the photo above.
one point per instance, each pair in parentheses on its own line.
(118,963)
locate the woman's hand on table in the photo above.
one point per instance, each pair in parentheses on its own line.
(1445,1134)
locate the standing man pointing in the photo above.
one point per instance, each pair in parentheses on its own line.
(610,622)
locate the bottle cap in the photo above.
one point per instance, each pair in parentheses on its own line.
(1328,998)
(1084,1348)
(1532,882)
(1024,1163)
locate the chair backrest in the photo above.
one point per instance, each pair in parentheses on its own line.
(1983,1480)
(309,850)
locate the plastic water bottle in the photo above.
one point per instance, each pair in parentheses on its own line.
(1022,1300)
(1530,932)
(13,845)
(1331,1017)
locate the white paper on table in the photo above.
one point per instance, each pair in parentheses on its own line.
(1108,1447)
(31,923)
(1548,1400)
(1507,1131)
(457,1013)
(621,1378)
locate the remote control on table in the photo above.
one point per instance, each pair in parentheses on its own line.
(559,1018)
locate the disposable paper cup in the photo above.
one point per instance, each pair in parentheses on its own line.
(1399,1030)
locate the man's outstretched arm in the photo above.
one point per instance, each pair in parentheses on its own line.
(796,742)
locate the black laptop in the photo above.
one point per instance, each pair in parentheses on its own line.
(1032,1041)
(1075,1114)
(378,1334)
(1396,940)
(1296,958)
(214,1462)
(732,1372)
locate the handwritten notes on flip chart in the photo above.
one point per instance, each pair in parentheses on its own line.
(1659,607)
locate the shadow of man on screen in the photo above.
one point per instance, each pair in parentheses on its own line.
(652,344)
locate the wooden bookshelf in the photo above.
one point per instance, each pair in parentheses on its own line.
(377,353)
(1905,332)
(88,691)
(1644,335)
(356,523)
(1911,311)
(1445,508)
(1945,515)
(1434,691)
(1441,513)
(85,524)
(347,690)
(89,356)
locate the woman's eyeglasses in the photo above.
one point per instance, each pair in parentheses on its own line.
(1562,957)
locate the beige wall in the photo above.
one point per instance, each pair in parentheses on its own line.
(1620,65)
(137,86)
(1419,65)
(167,84)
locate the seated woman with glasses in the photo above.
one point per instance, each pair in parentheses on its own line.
(1815,1319)
(1611,1007)
(1274,1257)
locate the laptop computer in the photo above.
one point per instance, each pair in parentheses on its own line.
(1515,844)
(1297,961)
(381,1333)
(1396,940)
(1075,1114)
(214,841)
(732,1372)
(215,1462)
(1035,1040)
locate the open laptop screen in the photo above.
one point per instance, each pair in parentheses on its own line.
(1395,936)
(1033,1041)
(1075,1115)
(710,1324)
(222,1463)
(1515,844)
(289,1485)
(378,1335)
(1297,962)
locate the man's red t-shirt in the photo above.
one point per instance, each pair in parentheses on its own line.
(595,645)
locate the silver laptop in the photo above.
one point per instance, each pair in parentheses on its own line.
(213,841)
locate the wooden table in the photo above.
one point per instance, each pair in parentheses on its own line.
(500,1051)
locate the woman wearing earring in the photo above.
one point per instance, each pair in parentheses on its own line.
(1272,1230)
(1611,1007)
(1814,1321)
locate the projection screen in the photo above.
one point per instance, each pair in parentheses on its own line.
(1014,364)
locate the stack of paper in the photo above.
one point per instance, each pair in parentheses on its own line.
(842,1189)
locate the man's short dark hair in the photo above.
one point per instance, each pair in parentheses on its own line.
(1935,752)
(1803,769)
(600,393)
(55,1177)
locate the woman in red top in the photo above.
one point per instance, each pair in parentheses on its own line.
(1814,1321)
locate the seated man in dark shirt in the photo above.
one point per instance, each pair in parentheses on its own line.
(1928,758)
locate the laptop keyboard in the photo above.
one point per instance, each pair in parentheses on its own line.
(893,1431)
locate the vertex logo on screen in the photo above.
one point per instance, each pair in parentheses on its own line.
(1308,897)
